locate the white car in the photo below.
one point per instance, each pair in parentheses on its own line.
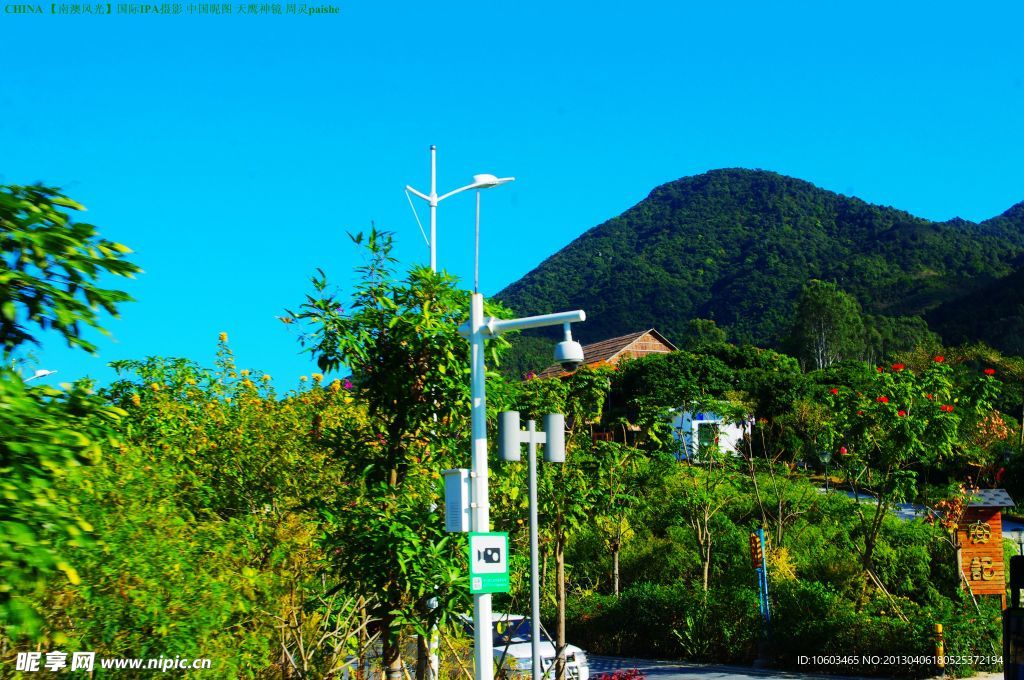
(513,654)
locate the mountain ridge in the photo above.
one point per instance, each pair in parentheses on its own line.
(736,245)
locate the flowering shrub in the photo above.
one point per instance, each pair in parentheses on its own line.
(910,427)
(623,674)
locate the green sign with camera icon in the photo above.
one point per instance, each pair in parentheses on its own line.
(488,562)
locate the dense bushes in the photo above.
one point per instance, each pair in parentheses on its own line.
(810,619)
(823,604)
(668,621)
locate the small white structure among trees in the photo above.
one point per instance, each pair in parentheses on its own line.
(697,431)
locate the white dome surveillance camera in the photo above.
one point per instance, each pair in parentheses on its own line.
(569,353)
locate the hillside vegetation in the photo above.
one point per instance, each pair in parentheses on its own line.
(737,246)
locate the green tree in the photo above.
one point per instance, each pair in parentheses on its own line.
(706,485)
(48,435)
(701,332)
(619,490)
(827,326)
(649,390)
(50,268)
(567,491)
(902,425)
(408,365)
(887,336)
(201,540)
(48,279)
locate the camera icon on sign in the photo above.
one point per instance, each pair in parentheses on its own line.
(489,555)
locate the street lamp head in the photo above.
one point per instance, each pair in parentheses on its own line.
(486,181)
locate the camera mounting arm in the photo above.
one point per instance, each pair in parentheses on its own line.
(494,327)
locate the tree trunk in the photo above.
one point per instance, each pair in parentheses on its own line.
(560,597)
(392,658)
(423,657)
(363,639)
(424,670)
(706,558)
(391,653)
(615,568)
(543,567)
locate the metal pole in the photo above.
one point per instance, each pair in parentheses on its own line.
(766,606)
(482,635)
(433,641)
(433,208)
(534,557)
(476,254)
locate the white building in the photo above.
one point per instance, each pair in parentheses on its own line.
(698,431)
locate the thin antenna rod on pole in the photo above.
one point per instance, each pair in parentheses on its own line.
(417,216)
(476,259)
(433,207)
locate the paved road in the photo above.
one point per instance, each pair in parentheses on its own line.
(676,670)
(1012,529)
(672,670)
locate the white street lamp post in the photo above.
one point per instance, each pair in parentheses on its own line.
(477,330)
(479,182)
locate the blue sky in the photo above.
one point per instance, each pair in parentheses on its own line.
(232,153)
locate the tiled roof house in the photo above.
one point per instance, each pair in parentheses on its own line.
(610,352)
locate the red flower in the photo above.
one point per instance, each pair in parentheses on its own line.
(946,408)
(860,413)
(898,367)
(990,371)
(901,413)
(882,400)
(880,369)
(834,390)
(929,396)
(842,451)
(939,359)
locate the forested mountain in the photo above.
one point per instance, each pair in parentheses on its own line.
(737,246)
(993,314)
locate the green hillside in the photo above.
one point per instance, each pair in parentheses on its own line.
(737,245)
(993,314)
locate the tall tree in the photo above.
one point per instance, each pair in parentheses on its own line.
(567,491)
(827,326)
(702,332)
(399,340)
(47,280)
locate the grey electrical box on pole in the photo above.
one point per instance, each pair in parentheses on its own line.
(509,436)
(554,447)
(456,500)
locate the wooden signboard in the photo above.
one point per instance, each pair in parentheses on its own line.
(980,537)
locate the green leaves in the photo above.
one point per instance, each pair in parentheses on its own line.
(398,340)
(48,435)
(51,265)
